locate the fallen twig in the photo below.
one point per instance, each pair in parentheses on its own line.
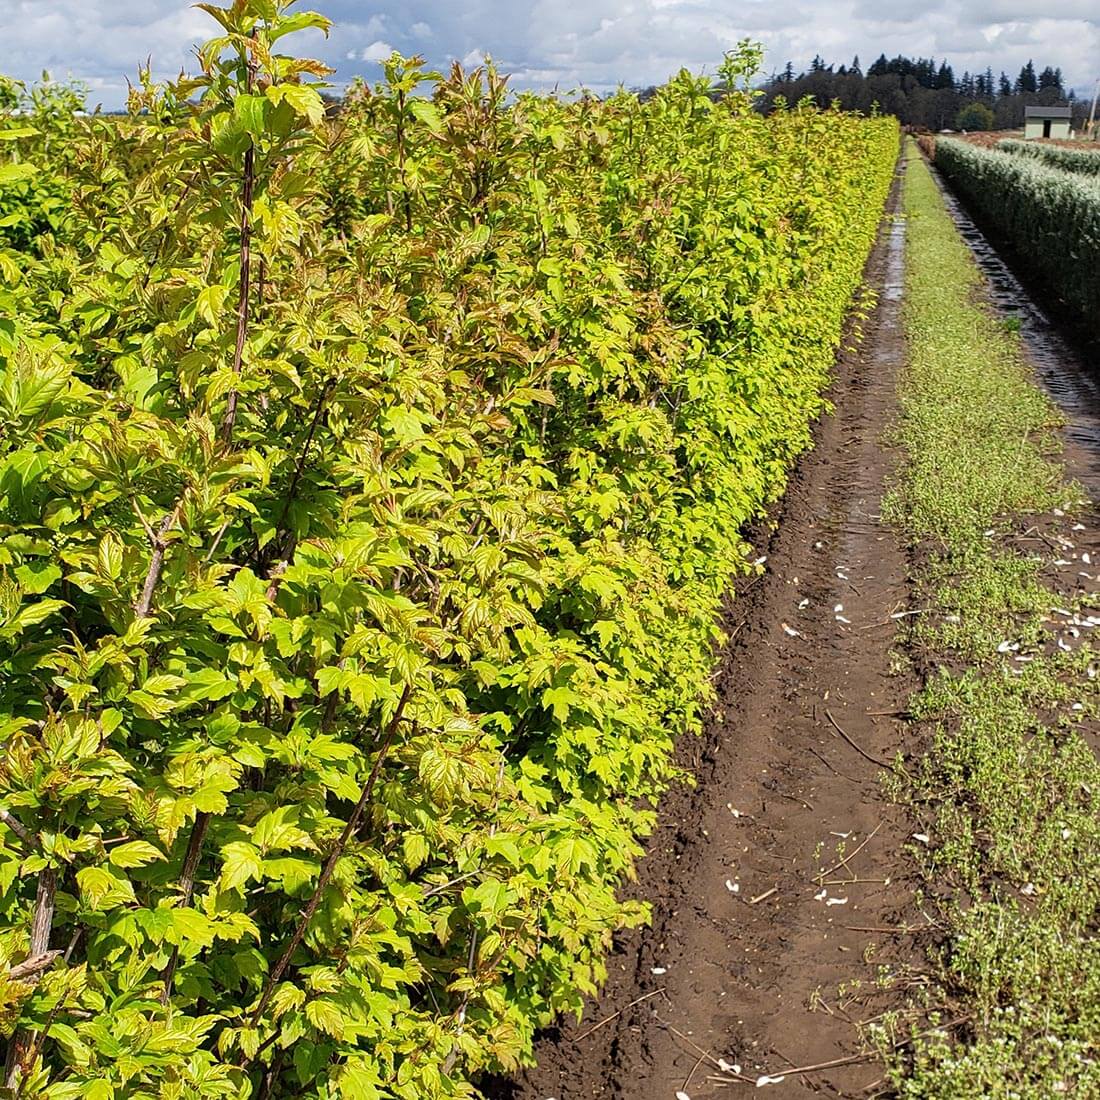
(763,896)
(616,1015)
(862,752)
(851,855)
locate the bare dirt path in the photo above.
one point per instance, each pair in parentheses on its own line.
(748,944)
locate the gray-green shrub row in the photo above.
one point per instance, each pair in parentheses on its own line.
(1052,217)
(1082,161)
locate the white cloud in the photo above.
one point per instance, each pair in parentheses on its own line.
(598,43)
(376,51)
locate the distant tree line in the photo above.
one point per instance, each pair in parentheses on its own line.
(923,92)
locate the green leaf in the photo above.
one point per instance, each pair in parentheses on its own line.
(425,112)
(13,173)
(135,853)
(241,863)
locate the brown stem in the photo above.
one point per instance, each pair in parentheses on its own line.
(22,1043)
(156,563)
(17,827)
(330,863)
(187,891)
(248,182)
(406,199)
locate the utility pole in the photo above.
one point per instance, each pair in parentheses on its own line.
(1092,113)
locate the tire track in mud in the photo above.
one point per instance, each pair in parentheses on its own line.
(748,946)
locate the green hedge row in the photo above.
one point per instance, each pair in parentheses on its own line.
(1051,217)
(369,488)
(1081,161)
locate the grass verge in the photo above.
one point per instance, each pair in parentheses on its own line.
(1009,790)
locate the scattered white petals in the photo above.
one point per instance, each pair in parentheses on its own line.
(1008,647)
(1061,561)
(764,1079)
(922,837)
(839,607)
(658,970)
(1059,512)
(1062,611)
(791,630)
(1086,559)
(726,1067)
(1065,834)
(760,560)
(681,1095)
(733,887)
(1028,889)
(1078,527)
(803,605)
(836,901)
(822,896)
(841,619)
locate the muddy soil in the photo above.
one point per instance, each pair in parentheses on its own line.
(782,875)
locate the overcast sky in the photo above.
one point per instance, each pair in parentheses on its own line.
(598,43)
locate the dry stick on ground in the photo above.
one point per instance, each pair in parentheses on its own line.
(616,1015)
(330,863)
(852,855)
(852,1059)
(862,752)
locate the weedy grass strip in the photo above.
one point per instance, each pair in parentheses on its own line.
(1009,788)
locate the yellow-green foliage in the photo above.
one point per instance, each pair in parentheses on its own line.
(514,375)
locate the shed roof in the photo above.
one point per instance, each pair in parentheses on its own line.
(1047,112)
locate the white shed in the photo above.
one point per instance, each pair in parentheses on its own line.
(1046,122)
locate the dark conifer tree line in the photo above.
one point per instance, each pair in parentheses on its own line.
(925,92)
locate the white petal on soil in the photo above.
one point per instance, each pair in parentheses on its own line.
(839,607)
(727,1067)
(1028,888)
(733,887)
(836,901)
(841,619)
(922,837)
(658,970)
(1078,527)
(791,631)
(1008,647)
(822,896)
(1086,559)
(764,1079)
(681,1095)
(803,605)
